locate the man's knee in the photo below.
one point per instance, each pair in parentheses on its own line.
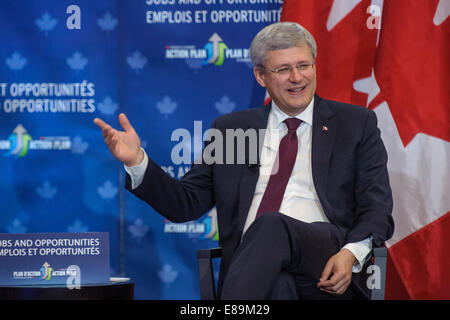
(270,219)
(271,225)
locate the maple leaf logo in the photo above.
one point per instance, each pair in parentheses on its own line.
(410,78)
(77,62)
(46,23)
(138,230)
(343,41)
(413,81)
(79,146)
(225,105)
(16,61)
(77,226)
(167,274)
(107,22)
(166,106)
(136,61)
(107,191)
(16,227)
(107,106)
(47,191)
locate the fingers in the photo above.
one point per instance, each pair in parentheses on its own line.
(339,268)
(102,124)
(125,123)
(123,120)
(108,132)
(337,284)
(123,144)
(326,273)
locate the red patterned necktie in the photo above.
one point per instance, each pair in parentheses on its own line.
(287,153)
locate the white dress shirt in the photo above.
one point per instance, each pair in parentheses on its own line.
(300,200)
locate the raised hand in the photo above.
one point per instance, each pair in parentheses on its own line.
(124,145)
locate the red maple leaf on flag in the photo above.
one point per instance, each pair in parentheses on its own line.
(409,70)
(345,46)
(412,67)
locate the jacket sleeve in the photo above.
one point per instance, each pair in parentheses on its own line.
(373,195)
(177,200)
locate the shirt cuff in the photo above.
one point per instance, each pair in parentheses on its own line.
(137,172)
(361,250)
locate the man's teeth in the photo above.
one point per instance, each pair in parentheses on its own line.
(297,89)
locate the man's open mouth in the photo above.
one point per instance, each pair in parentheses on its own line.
(297,89)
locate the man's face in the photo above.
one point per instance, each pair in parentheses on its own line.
(291,92)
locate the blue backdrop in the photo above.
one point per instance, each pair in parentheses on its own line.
(164,63)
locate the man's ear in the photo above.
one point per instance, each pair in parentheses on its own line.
(259,75)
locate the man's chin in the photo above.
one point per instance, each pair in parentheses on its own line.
(299,106)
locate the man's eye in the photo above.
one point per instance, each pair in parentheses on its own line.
(303,66)
(284,70)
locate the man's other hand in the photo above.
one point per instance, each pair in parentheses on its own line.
(339,267)
(124,145)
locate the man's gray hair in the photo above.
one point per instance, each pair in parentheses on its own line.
(277,36)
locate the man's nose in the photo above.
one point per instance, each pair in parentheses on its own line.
(295,75)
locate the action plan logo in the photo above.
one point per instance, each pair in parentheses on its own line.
(72,274)
(214,52)
(46,272)
(20,142)
(205,228)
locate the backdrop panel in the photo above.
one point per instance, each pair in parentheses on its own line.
(167,65)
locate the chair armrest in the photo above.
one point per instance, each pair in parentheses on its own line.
(205,270)
(379,270)
(208,290)
(209,253)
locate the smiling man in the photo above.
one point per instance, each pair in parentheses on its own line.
(305,230)
(291,81)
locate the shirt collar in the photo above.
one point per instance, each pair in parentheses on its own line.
(277,116)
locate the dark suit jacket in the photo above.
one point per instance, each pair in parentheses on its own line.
(348,168)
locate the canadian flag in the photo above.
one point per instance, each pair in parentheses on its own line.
(394,57)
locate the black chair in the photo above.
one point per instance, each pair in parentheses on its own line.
(206,275)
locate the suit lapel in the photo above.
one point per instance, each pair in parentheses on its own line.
(250,172)
(324,132)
